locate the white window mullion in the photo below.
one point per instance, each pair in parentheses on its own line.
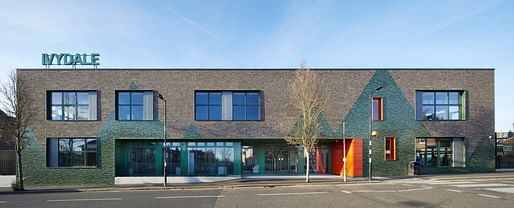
(93,106)
(226,106)
(148,105)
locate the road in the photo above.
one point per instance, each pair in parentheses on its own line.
(417,192)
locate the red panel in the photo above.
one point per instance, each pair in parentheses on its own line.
(320,168)
(337,158)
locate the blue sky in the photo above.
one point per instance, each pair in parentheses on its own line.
(272,33)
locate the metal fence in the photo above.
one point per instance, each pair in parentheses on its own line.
(7,162)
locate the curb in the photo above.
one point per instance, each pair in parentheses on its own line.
(190,187)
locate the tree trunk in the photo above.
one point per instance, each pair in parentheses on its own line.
(308,164)
(19,182)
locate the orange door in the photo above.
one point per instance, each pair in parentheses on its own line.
(353,157)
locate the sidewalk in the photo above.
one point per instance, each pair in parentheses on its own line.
(263,181)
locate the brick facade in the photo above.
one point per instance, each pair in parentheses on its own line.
(347,92)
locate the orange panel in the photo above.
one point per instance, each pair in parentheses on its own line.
(357,147)
(350,158)
(353,157)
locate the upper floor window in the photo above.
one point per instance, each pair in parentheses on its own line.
(440,105)
(227,105)
(72,105)
(72,152)
(378,109)
(208,106)
(245,106)
(134,105)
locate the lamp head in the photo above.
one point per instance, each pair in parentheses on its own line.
(374,133)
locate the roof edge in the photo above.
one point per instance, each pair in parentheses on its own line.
(249,69)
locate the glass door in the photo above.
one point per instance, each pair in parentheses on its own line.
(141,161)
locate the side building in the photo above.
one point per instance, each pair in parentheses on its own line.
(105,126)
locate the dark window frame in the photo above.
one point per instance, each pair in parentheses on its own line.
(460,105)
(246,105)
(84,152)
(260,102)
(50,105)
(209,105)
(117,104)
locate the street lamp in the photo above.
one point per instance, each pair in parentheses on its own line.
(371,132)
(164,143)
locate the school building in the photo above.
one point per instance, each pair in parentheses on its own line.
(106,125)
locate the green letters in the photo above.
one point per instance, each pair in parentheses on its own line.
(69,59)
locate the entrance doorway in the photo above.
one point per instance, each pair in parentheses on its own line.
(278,161)
(141,161)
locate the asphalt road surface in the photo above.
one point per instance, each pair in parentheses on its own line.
(452,192)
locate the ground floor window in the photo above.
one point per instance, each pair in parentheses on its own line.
(389,148)
(210,158)
(71,152)
(504,153)
(173,158)
(440,152)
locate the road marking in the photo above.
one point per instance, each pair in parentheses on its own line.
(481,185)
(346,192)
(375,191)
(490,196)
(187,197)
(450,182)
(3,202)
(416,189)
(453,190)
(504,190)
(287,194)
(77,200)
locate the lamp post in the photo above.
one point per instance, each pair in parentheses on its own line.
(371,134)
(164,143)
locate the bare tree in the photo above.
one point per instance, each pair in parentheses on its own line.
(15,99)
(307,95)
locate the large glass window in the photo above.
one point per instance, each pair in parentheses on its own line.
(72,152)
(441,152)
(72,105)
(211,158)
(134,105)
(227,105)
(245,106)
(208,106)
(440,105)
